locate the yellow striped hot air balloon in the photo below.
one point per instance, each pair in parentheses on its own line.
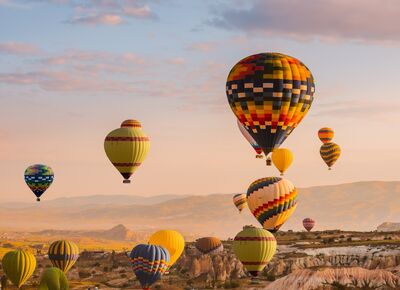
(254,248)
(272,200)
(63,254)
(173,241)
(282,159)
(18,266)
(240,201)
(325,134)
(127,147)
(330,153)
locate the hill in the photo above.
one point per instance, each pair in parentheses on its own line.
(333,207)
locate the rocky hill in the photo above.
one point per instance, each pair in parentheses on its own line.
(342,278)
(388,227)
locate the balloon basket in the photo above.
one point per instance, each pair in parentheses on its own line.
(38,199)
(259,156)
(329,168)
(126,181)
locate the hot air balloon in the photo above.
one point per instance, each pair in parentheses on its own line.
(240,201)
(149,262)
(325,134)
(282,159)
(53,279)
(39,178)
(254,248)
(63,254)
(250,139)
(19,266)
(127,148)
(270,93)
(308,224)
(272,200)
(209,245)
(173,241)
(330,153)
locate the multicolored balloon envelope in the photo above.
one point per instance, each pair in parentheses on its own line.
(330,153)
(149,262)
(39,177)
(325,134)
(127,148)
(209,245)
(53,279)
(308,224)
(254,248)
(282,159)
(272,200)
(63,254)
(18,266)
(270,93)
(240,201)
(173,241)
(250,139)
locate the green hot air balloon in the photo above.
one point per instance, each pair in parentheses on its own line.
(53,279)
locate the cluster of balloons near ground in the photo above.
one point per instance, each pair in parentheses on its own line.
(19,265)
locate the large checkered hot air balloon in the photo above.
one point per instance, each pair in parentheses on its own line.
(127,148)
(39,177)
(272,200)
(270,93)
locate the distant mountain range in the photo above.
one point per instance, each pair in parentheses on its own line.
(354,206)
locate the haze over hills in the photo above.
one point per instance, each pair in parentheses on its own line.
(333,207)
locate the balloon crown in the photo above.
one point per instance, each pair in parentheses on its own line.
(131,124)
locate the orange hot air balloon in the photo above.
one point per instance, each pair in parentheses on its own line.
(325,134)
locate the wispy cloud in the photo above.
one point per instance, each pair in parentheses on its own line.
(358,20)
(106,19)
(204,46)
(108,12)
(17,48)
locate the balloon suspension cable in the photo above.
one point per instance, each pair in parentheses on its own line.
(38,199)
(126,181)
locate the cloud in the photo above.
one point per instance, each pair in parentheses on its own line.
(204,46)
(17,48)
(358,109)
(358,20)
(108,12)
(107,19)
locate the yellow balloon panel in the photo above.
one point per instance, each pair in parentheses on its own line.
(173,241)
